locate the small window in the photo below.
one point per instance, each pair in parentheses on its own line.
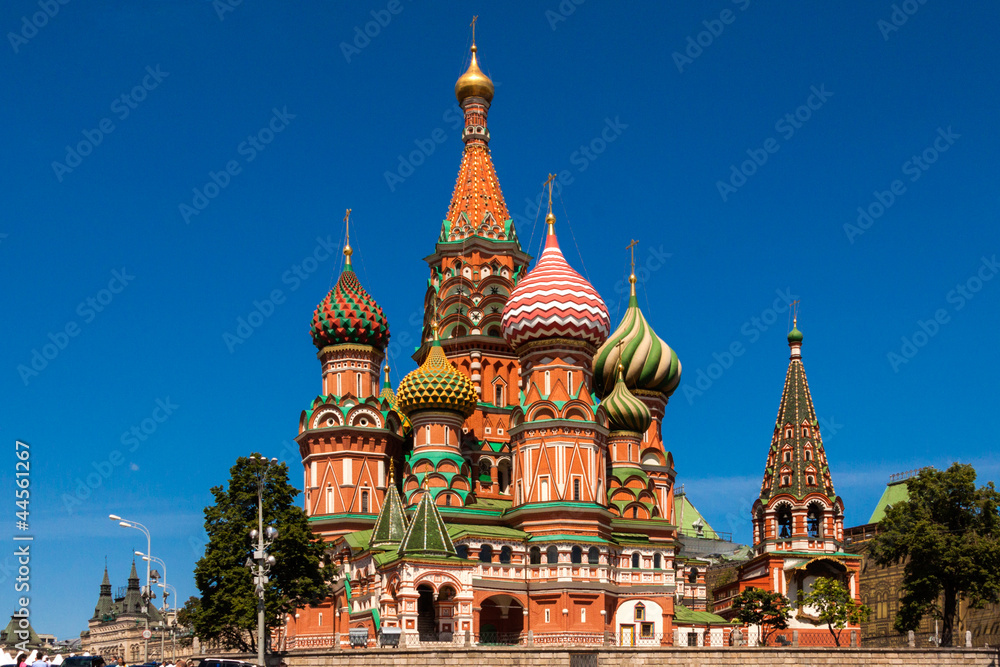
(548,616)
(576,488)
(320,618)
(485,553)
(693,576)
(499,430)
(358,382)
(646,631)
(657,561)
(505,554)
(427,434)
(593,556)
(635,512)
(487,430)
(640,612)
(788,456)
(583,614)
(548,383)
(535,556)
(810,480)
(635,560)
(364,502)
(809,455)
(569,382)
(447,500)
(462,550)
(786,480)
(788,433)
(576,555)
(552,555)
(498,395)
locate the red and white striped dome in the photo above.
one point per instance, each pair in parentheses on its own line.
(554,301)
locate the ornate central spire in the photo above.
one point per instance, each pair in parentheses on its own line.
(477,205)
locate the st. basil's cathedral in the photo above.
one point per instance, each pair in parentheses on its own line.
(515,487)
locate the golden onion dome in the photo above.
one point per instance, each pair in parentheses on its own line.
(436,385)
(474,83)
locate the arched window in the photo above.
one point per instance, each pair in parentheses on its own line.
(552,555)
(657,561)
(576,555)
(534,556)
(787,455)
(693,575)
(809,455)
(811,480)
(493,332)
(462,550)
(505,554)
(635,511)
(784,521)
(485,469)
(447,500)
(814,521)
(593,556)
(364,502)
(485,553)
(635,560)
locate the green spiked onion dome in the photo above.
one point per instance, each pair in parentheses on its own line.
(650,364)
(349,314)
(436,385)
(625,411)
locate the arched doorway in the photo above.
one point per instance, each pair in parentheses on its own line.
(426,616)
(501,620)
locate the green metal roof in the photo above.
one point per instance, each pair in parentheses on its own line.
(566,538)
(684,615)
(895,493)
(687,514)
(427,533)
(498,532)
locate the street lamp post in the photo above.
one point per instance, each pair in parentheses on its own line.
(261,563)
(148,592)
(171,623)
(147,558)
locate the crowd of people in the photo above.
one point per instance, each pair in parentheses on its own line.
(36,659)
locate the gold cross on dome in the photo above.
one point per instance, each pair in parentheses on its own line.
(473,26)
(631,247)
(548,182)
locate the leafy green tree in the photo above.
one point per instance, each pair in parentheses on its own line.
(836,607)
(185,619)
(767,610)
(228,610)
(948,534)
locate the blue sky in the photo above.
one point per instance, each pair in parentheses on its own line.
(735,158)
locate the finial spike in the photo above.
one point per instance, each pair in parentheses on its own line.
(631,278)
(392,472)
(347,236)
(550,219)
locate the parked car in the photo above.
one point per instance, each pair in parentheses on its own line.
(219,662)
(83,661)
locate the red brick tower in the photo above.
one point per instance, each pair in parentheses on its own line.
(349,433)
(476,263)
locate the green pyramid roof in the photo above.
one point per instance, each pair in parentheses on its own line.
(105,602)
(895,493)
(9,637)
(427,533)
(390,526)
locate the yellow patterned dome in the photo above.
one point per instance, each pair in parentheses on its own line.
(436,385)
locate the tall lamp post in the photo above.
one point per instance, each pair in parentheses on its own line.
(170,623)
(261,539)
(147,593)
(148,558)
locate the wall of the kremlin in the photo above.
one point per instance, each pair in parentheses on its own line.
(611,657)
